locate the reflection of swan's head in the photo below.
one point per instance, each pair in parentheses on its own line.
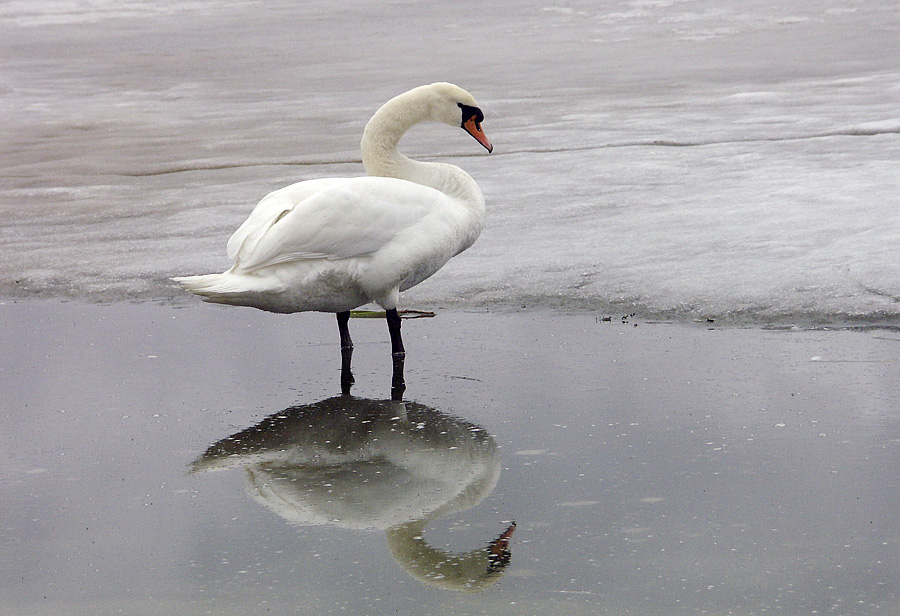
(471,571)
(368,464)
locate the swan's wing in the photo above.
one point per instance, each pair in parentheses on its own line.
(268,211)
(343,219)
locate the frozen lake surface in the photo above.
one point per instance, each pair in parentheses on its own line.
(675,158)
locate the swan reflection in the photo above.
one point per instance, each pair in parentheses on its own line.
(370,464)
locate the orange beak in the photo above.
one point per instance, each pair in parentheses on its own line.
(473,127)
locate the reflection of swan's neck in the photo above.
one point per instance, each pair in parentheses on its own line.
(469,571)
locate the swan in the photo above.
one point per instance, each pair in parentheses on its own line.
(334,244)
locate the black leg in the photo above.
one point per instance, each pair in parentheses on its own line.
(393,323)
(398,386)
(343,318)
(346,353)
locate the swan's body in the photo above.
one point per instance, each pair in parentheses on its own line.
(335,244)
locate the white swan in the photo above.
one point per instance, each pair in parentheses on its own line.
(333,244)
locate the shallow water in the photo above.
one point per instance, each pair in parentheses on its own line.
(679,158)
(650,469)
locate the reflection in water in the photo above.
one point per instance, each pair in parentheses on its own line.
(370,464)
(398,384)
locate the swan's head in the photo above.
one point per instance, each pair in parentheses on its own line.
(452,105)
(438,102)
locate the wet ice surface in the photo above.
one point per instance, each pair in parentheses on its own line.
(657,469)
(679,159)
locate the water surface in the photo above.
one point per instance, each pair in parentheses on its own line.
(657,469)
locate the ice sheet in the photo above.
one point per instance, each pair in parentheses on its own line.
(680,159)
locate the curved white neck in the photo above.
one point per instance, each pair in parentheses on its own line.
(382,158)
(383,133)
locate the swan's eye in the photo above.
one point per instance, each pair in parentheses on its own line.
(471,113)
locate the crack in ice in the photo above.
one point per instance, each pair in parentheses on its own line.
(872,129)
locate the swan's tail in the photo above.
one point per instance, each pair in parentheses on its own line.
(226,288)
